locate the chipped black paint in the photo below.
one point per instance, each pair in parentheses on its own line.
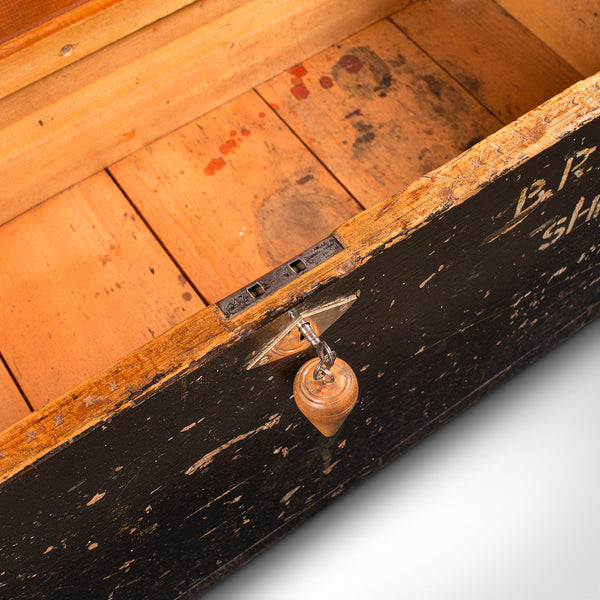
(218,463)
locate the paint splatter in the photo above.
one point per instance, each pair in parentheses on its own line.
(326,82)
(216,164)
(298,71)
(233,133)
(245,132)
(274,106)
(262,115)
(298,89)
(228,146)
(300,92)
(351,63)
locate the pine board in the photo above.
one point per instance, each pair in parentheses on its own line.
(233,195)
(47,36)
(493,56)
(377,111)
(147,84)
(12,405)
(571,29)
(83,283)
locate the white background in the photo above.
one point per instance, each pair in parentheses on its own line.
(501,503)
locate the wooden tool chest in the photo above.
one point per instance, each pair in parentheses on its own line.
(178,175)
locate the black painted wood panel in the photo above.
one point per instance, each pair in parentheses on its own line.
(169,495)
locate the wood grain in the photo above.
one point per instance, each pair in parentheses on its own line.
(191,343)
(54,40)
(233,195)
(75,122)
(499,61)
(83,282)
(17,17)
(377,111)
(572,29)
(12,404)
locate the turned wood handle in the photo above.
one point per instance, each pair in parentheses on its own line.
(326,403)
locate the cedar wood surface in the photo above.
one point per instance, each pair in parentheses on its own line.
(136,503)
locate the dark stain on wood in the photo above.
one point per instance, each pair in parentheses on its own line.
(294,217)
(361,72)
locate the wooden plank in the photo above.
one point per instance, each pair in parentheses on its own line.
(210,463)
(83,282)
(499,61)
(233,195)
(51,41)
(154,81)
(12,404)
(571,29)
(18,17)
(378,111)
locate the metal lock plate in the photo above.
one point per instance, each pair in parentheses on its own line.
(282,338)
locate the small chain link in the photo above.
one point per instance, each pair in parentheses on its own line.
(324,352)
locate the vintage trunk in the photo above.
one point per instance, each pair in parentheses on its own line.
(178,176)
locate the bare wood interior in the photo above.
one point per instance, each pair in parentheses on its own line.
(155,229)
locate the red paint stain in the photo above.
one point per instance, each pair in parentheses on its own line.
(245,132)
(262,115)
(216,164)
(274,106)
(297,80)
(326,82)
(228,146)
(232,133)
(300,92)
(351,63)
(298,70)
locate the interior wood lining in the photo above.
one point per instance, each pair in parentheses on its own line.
(249,185)
(46,37)
(12,404)
(149,83)
(83,283)
(501,63)
(233,195)
(378,111)
(572,29)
